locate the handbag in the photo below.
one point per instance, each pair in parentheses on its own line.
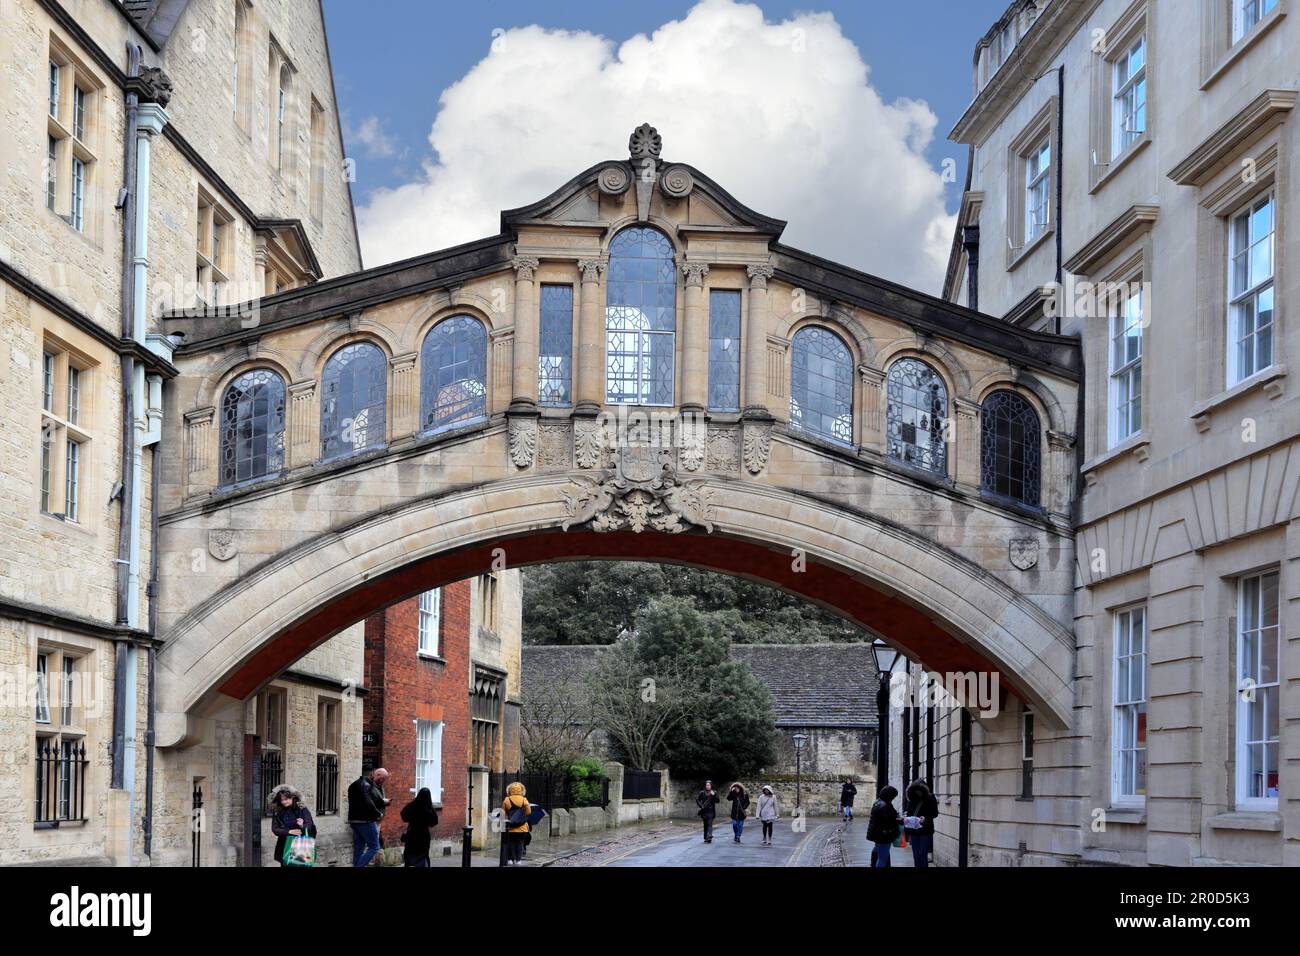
(300,851)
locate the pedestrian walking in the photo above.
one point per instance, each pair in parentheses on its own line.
(421,818)
(289,818)
(707,801)
(739,805)
(918,821)
(515,810)
(364,813)
(847,793)
(767,813)
(882,826)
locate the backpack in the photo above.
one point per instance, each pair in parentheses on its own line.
(517,816)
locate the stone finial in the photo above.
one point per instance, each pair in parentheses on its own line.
(644,143)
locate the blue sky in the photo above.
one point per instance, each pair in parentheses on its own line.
(393,60)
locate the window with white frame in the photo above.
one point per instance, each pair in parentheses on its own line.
(1038,189)
(1250,288)
(1258,690)
(60,763)
(65,395)
(1129,100)
(212,260)
(430,619)
(1129,728)
(1126,325)
(70,120)
(1247,13)
(428,757)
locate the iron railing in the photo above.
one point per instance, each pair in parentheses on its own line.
(196,825)
(327,784)
(60,782)
(641,784)
(272,775)
(551,790)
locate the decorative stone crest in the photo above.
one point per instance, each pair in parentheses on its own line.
(222,544)
(553,446)
(757,447)
(643,492)
(523,441)
(722,450)
(676,181)
(1023,553)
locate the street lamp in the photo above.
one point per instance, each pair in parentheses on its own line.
(799,741)
(886,657)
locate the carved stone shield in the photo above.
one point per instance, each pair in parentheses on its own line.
(1023,553)
(222,544)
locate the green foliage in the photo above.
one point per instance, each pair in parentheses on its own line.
(585,776)
(592,602)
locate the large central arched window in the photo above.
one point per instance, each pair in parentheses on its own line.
(821,384)
(1009,447)
(252,427)
(353,399)
(453,373)
(915,415)
(640,318)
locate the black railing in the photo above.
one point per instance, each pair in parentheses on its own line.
(60,782)
(551,790)
(272,774)
(196,825)
(327,784)
(641,784)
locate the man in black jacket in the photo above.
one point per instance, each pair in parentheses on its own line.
(364,813)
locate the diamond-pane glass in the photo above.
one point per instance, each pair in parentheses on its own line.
(915,430)
(821,384)
(724,350)
(640,318)
(354,392)
(1009,447)
(453,373)
(252,427)
(555,351)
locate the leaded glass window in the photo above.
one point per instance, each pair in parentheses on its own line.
(821,384)
(354,393)
(555,346)
(453,374)
(252,427)
(1010,455)
(916,416)
(640,318)
(724,350)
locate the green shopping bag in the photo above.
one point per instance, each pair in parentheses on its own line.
(300,851)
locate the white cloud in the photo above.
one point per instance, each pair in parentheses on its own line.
(782,115)
(375,143)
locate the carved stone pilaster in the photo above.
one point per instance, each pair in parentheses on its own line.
(591,338)
(778,351)
(758,379)
(966,434)
(200,442)
(1061,476)
(302,447)
(873,401)
(503,354)
(406,396)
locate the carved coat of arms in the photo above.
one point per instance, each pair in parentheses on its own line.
(642,492)
(222,544)
(1023,553)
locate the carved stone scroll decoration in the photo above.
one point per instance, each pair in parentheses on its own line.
(756,446)
(642,492)
(523,441)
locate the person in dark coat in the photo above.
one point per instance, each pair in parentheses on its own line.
(421,818)
(707,801)
(882,826)
(363,817)
(847,793)
(918,821)
(289,817)
(739,805)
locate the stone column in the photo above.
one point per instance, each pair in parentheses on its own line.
(964,434)
(404,418)
(695,341)
(200,473)
(590,389)
(302,448)
(524,394)
(756,331)
(872,436)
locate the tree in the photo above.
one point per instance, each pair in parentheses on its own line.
(555,727)
(639,702)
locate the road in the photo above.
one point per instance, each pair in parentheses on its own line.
(790,847)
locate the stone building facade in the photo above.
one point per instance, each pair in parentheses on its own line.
(158,155)
(1133,184)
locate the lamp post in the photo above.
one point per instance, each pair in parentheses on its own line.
(799,741)
(886,657)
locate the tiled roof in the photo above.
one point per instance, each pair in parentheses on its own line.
(155,18)
(812,685)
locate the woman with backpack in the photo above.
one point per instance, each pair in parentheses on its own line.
(882,826)
(290,818)
(515,811)
(739,804)
(918,821)
(767,813)
(421,818)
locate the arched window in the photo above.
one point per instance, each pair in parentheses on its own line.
(252,427)
(1009,447)
(916,416)
(821,384)
(353,399)
(640,318)
(453,374)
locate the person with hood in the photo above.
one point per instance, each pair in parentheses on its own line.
(421,818)
(289,817)
(739,804)
(767,813)
(515,811)
(707,801)
(918,821)
(882,826)
(847,793)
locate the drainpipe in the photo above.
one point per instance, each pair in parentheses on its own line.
(146,824)
(1060,165)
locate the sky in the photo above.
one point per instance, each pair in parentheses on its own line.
(832,116)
